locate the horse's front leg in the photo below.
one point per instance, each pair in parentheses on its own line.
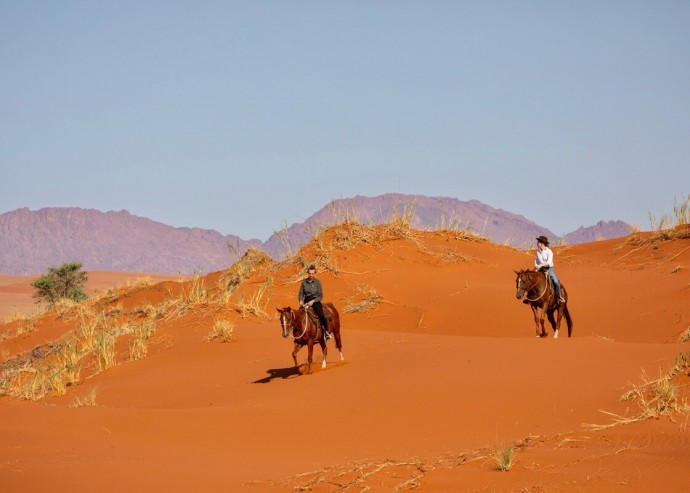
(535,312)
(298,346)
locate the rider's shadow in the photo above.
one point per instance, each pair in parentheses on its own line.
(283,373)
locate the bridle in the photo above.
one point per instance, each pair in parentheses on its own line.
(292,324)
(546,285)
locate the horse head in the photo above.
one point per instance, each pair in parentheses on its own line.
(287,320)
(523,283)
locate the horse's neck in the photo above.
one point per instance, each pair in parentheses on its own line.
(536,279)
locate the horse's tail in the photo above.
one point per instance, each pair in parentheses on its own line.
(568,319)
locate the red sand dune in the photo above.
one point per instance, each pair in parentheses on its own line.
(437,378)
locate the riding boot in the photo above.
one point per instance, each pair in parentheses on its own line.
(326,333)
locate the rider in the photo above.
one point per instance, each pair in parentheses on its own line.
(544,262)
(311,294)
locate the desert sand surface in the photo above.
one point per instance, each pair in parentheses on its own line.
(442,373)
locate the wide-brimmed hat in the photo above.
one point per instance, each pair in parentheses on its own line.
(543,239)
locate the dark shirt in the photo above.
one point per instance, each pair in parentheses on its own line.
(310,290)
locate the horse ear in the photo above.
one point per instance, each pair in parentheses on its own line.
(279,310)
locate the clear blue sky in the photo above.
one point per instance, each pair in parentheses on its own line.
(244,116)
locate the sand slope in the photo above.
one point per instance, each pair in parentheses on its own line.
(442,372)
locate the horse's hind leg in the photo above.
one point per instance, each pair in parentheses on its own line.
(338,343)
(554,324)
(324,350)
(310,354)
(561,309)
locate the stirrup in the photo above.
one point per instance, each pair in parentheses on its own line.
(327,335)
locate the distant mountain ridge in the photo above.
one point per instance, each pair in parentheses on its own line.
(32,241)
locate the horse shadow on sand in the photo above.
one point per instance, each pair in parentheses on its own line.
(283,373)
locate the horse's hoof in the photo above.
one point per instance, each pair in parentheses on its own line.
(555,335)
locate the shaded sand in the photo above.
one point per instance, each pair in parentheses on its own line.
(442,372)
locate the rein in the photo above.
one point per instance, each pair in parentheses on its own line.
(292,322)
(546,286)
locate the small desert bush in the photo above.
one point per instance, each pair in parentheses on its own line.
(685,335)
(505,458)
(223,331)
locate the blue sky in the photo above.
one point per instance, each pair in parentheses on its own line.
(246,116)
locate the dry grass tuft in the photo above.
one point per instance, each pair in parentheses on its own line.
(368,299)
(253,307)
(89,399)
(505,458)
(223,331)
(685,335)
(252,260)
(655,398)
(138,347)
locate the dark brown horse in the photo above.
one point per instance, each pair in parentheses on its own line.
(538,290)
(306,330)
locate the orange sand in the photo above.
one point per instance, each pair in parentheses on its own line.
(440,375)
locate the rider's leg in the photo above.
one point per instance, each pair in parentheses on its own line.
(556,284)
(318,308)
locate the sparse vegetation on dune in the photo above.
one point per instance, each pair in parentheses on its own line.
(364,300)
(505,458)
(93,339)
(223,331)
(655,397)
(673,226)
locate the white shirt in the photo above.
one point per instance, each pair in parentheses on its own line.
(544,258)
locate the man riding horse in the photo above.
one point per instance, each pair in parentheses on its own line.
(311,294)
(544,263)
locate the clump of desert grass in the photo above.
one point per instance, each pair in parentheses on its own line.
(367,299)
(252,260)
(253,305)
(655,397)
(138,346)
(48,368)
(685,335)
(88,399)
(223,331)
(668,227)
(505,458)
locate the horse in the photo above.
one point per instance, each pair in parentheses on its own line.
(538,290)
(306,330)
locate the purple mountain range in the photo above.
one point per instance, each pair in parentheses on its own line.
(32,241)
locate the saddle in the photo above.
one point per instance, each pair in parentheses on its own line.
(314,318)
(552,290)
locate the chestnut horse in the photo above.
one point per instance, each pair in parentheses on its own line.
(306,330)
(538,290)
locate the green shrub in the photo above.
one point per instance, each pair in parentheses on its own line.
(64,282)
